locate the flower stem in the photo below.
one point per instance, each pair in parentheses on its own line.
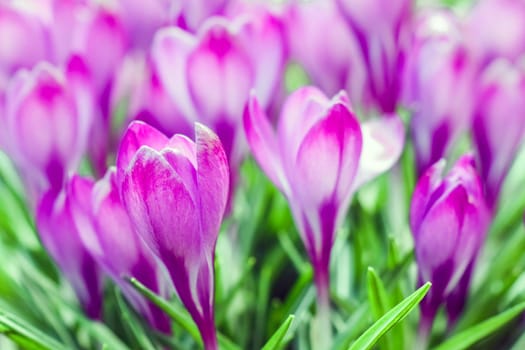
(321,328)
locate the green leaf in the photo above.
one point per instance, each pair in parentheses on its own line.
(26,335)
(468,337)
(368,339)
(275,340)
(377,295)
(176,313)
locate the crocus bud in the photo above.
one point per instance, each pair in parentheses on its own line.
(107,233)
(175,191)
(46,121)
(381,29)
(318,157)
(448,218)
(499,124)
(209,75)
(330,65)
(503,38)
(438,86)
(61,239)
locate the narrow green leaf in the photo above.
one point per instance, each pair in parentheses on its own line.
(368,339)
(379,302)
(177,314)
(377,295)
(275,340)
(470,336)
(26,335)
(103,335)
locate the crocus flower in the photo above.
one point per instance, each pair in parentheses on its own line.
(330,65)
(60,237)
(108,235)
(318,158)
(23,41)
(209,75)
(499,124)
(438,86)
(448,218)
(381,29)
(503,38)
(46,121)
(175,191)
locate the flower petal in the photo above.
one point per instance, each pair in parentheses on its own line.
(160,206)
(383,142)
(138,134)
(263,143)
(213,179)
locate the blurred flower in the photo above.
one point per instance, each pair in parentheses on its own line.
(61,239)
(499,123)
(329,64)
(438,86)
(209,75)
(503,38)
(107,233)
(23,41)
(448,218)
(175,191)
(381,29)
(138,90)
(318,158)
(46,121)
(190,15)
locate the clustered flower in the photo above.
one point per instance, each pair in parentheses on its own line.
(164,100)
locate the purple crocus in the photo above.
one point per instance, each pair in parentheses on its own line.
(318,158)
(60,237)
(503,38)
(329,64)
(381,29)
(175,191)
(191,15)
(107,233)
(448,218)
(209,75)
(23,41)
(46,120)
(438,86)
(499,124)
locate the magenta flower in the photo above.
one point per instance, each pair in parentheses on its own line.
(381,29)
(209,75)
(438,86)
(318,158)
(60,237)
(330,65)
(108,235)
(47,118)
(499,124)
(175,191)
(448,218)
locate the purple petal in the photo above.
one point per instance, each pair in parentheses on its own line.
(160,206)
(137,135)
(212,180)
(383,141)
(328,158)
(425,188)
(170,51)
(263,143)
(303,109)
